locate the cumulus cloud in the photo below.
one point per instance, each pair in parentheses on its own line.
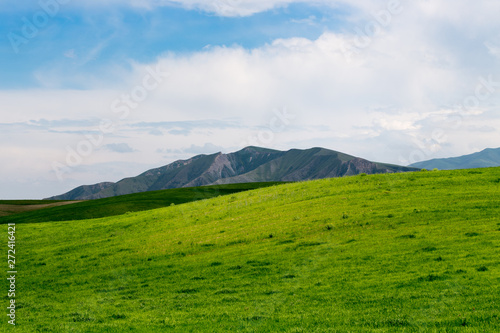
(226,8)
(239,8)
(410,90)
(121,148)
(207,148)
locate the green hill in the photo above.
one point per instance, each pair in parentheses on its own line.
(35,211)
(410,252)
(484,159)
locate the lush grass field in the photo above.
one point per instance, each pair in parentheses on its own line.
(116,205)
(412,252)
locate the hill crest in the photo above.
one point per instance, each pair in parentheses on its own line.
(251,164)
(487,158)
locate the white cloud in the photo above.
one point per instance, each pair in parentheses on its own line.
(398,97)
(207,148)
(236,8)
(121,148)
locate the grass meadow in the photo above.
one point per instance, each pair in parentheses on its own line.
(409,252)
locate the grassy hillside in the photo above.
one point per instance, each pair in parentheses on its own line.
(412,252)
(116,205)
(9,207)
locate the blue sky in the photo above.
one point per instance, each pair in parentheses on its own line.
(93,39)
(394,81)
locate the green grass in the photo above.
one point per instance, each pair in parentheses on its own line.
(121,204)
(413,252)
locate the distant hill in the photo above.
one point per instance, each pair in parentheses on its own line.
(251,164)
(84,191)
(44,211)
(484,159)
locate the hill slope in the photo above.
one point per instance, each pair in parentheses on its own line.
(83,192)
(401,252)
(251,164)
(11,207)
(483,159)
(28,212)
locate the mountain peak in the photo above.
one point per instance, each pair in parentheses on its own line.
(489,157)
(258,149)
(251,164)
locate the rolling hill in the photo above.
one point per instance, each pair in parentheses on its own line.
(484,159)
(251,164)
(406,252)
(43,211)
(10,207)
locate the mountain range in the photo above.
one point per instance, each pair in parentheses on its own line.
(489,157)
(251,164)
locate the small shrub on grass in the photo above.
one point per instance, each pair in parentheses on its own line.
(472,234)
(81,318)
(225,292)
(187,291)
(410,236)
(430,278)
(258,263)
(118,316)
(215,263)
(482,269)
(306,244)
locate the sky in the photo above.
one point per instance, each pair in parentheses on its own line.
(94,91)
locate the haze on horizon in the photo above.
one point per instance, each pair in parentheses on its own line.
(97,91)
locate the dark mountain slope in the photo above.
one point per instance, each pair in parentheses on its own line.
(251,164)
(315,163)
(83,191)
